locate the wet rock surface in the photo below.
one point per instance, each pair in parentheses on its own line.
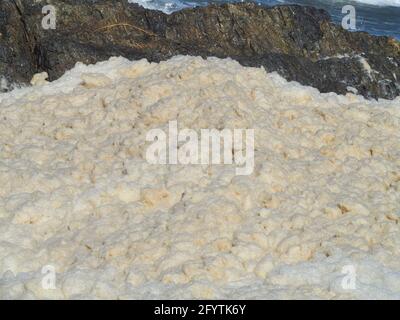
(300,43)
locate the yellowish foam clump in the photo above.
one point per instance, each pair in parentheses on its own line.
(39,79)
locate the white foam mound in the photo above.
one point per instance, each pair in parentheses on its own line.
(318,218)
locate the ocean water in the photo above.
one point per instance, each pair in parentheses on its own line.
(380,17)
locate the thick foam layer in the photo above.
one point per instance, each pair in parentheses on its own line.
(318,218)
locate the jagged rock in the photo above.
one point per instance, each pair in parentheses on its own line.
(300,43)
(17,58)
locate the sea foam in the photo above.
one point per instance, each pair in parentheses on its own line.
(318,217)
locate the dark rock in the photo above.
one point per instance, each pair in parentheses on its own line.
(17,58)
(300,43)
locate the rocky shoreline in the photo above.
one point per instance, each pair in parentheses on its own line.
(300,43)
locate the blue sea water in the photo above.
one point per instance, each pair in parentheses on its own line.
(380,17)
